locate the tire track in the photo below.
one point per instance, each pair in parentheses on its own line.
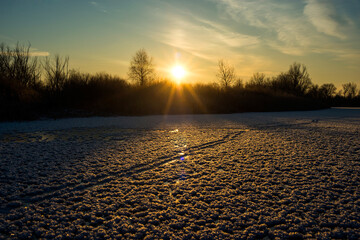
(58,191)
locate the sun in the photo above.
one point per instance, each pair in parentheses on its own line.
(178,72)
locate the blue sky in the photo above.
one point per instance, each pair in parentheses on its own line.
(255,36)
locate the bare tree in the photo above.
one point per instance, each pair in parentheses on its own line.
(226,73)
(57,71)
(327,90)
(239,83)
(5,61)
(350,90)
(18,65)
(258,80)
(299,78)
(296,81)
(314,91)
(141,68)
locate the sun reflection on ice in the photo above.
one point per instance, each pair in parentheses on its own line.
(180,145)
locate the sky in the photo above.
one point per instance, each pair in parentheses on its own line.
(263,36)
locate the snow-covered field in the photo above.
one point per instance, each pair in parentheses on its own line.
(240,176)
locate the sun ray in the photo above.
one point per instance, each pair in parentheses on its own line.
(170,100)
(196,98)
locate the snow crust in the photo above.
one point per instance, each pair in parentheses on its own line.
(284,175)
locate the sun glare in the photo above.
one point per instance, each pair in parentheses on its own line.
(178,72)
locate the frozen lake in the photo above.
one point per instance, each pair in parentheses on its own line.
(239,176)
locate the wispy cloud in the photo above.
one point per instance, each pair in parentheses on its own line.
(350,55)
(320,14)
(33,52)
(273,18)
(38,54)
(209,47)
(244,29)
(250,10)
(202,37)
(210,40)
(98,6)
(225,35)
(95,4)
(294,28)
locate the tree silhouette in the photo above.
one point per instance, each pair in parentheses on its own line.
(57,71)
(299,78)
(296,81)
(350,90)
(327,90)
(18,65)
(257,80)
(226,73)
(141,68)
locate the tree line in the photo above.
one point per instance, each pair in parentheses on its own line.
(32,88)
(295,81)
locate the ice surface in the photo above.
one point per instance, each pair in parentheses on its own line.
(252,119)
(239,176)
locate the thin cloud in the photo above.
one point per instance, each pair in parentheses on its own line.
(31,53)
(284,27)
(209,40)
(203,38)
(211,51)
(284,30)
(227,36)
(98,6)
(292,31)
(39,54)
(320,15)
(34,52)
(342,54)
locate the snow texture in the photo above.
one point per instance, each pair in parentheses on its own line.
(285,175)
